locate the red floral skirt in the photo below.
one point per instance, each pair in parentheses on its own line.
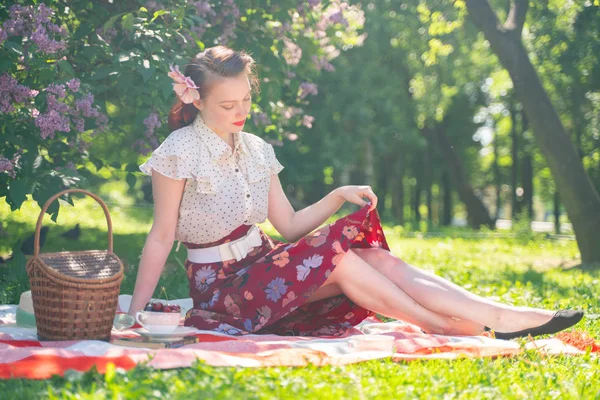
(266,292)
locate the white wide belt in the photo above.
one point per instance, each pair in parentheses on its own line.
(237,249)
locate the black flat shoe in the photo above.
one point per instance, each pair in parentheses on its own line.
(563,319)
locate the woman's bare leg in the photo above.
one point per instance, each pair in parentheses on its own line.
(446,298)
(368,288)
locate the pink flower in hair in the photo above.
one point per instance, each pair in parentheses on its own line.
(184,86)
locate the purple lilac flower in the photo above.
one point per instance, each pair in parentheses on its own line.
(307,88)
(152,122)
(276,289)
(60,108)
(204,9)
(260,119)
(57,89)
(7,166)
(322,63)
(73,85)
(51,122)
(3,35)
(34,25)
(84,105)
(79,124)
(11,91)
(338,18)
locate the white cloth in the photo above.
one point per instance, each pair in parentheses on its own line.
(225,187)
(237,249)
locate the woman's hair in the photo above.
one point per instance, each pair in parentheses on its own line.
(204,69)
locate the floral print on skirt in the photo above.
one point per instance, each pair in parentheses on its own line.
(266,292)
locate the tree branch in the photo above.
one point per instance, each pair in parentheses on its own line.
(516,17)
(483,16)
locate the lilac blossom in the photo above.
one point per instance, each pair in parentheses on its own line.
(152,122)
(57,89)
(260,118)
(292,53)
(307,88)
(73,85)
(307,121)
(51,122)
(204,9)
(8,166)
(84,105)
(322,63)
(11,91)
(36,26)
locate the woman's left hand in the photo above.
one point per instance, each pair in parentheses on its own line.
(355,194)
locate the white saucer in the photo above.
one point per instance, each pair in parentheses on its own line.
(179,332)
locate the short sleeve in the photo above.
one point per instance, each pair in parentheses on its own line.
(274,165)
(169,159)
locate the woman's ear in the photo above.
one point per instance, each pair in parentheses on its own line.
(198,104)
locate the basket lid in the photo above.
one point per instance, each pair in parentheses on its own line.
(89,264)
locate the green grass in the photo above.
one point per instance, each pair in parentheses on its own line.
(524,270)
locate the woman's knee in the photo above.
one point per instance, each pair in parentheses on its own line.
(381,259)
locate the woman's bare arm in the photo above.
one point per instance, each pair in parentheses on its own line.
(293,225)
(167,194)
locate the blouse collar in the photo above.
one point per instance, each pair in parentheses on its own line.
(219,150)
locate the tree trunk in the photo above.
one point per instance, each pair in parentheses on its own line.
(397,189)
(447,193)
(477,213)
(428,178)
(497,177)
(514,169)
(383,180)
(527,174)
(577,192)
(417,199)
(556,212)
(369,167)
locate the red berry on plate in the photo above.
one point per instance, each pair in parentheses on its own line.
(157,307)
(167,309)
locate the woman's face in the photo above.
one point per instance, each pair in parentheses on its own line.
(227,104)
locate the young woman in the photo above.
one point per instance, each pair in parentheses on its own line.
(212,183)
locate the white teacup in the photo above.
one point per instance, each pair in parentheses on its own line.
(158,322)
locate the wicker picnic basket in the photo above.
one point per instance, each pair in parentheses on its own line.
(74,293)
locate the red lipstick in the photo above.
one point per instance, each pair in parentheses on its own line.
(239,123)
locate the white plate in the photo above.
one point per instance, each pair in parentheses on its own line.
(179,332)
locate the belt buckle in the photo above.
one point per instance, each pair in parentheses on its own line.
(235,251)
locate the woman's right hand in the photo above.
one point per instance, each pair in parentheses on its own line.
(355,194)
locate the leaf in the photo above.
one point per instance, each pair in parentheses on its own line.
(158,14)
(131,167)
(18,191)
(111,21)
(66,68)
(131,180)
(98,163)
(146,70)
(6,64)
(128,21)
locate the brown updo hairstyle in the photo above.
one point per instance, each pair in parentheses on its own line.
(204,69)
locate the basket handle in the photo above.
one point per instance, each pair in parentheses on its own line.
(38,227)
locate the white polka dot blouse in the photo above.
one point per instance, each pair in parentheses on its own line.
(225,187)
